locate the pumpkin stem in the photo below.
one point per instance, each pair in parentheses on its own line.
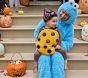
(5,5)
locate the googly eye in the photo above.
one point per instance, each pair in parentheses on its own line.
(76,6)
(71,2)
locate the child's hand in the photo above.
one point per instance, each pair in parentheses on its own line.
(58,47)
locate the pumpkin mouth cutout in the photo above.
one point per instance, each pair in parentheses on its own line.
(18,75)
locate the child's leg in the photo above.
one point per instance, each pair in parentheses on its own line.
(17,4)
(66,64)
(44,67)
(11,2)
(57,65)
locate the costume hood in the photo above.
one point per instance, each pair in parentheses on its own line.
(72,9)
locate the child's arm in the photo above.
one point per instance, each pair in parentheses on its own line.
(39,26)
(61,50)
(36,56)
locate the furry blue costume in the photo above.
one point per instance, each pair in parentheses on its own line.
(53,66)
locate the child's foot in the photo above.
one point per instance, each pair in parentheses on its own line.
(66,67)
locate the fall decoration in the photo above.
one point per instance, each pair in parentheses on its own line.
(83,4)
(20,12)
(16,68)
(2,49)
(24,2)
(5,21)
(82,23)
(7,10)
(84,33)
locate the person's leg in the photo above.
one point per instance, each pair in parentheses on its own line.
(57,65)
(11,2)
(17,3)
(44,67)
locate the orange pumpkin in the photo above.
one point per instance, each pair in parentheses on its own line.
(24,2)
(16,69)
(7,10)
(5,21)
(83,4)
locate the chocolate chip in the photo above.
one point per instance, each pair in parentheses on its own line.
(49,51)
(44,34)
(38,39)
(38,46)
(47,41)
(52,34)
(57,40)
(45,47)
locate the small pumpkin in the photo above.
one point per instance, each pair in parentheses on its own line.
(16,68)
(2,49)
(83,4)
(84,33)
(5,21)
(83,23)
(24,2)
(7,10)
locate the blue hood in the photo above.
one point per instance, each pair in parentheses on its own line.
(70,10)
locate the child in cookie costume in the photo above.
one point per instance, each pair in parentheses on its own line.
(53,66)
(49,37)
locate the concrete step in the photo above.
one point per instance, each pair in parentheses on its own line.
(76,61)
(30,56)
(69,74)
(45,3)
(27,45)
(18,31)
(81,17)
(30,27)
(74,74)
(28,19)
(27,31)
(32,41)
(33,15)
(29,74)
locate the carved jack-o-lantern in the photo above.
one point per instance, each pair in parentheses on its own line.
(5,21)
(85,33)
(16,68)
(47,40)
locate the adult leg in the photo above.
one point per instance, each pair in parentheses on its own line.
(44,67)
(57,65)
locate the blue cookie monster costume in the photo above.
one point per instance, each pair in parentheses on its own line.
(53,66)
